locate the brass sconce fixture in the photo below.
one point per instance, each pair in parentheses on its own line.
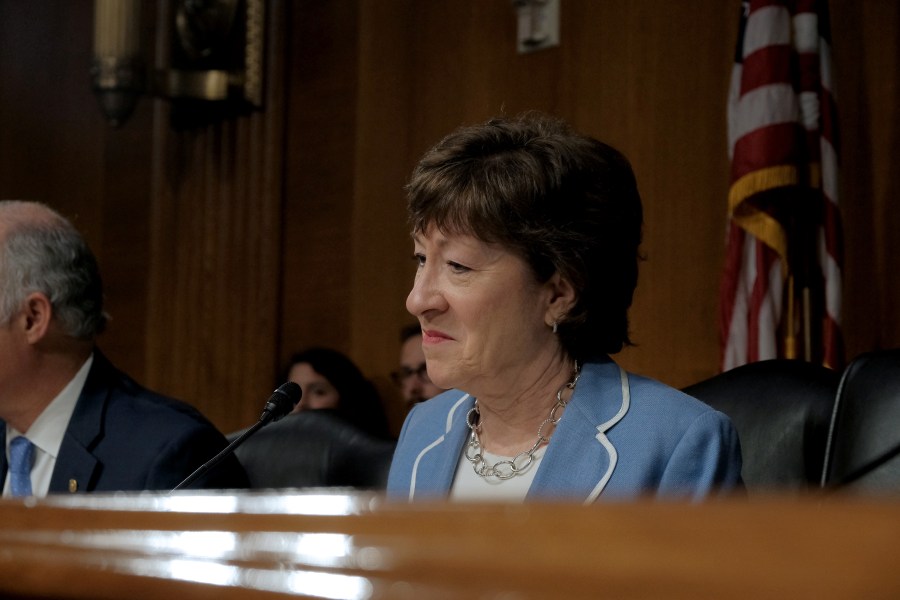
(538,24)
(215,58)
(118,71)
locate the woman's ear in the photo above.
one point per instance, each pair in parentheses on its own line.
(562,298)
(36,316)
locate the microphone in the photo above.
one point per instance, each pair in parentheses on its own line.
(280,403)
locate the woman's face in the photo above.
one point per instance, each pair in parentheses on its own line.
(317,391)
(486,322)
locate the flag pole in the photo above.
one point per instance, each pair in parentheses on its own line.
(789,332)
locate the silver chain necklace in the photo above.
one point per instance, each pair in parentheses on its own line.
(507,469)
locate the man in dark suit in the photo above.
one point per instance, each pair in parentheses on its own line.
(88,426)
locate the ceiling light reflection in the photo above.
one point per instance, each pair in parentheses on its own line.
(323,549)
(332,586)
(222,502)
(204,544)
(201,571)
(200,504)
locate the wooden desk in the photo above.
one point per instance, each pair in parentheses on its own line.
(332,545)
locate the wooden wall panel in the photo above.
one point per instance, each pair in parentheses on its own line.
(216,253)
(382,268)
(319,178)
(867,73)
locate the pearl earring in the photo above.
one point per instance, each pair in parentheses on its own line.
(555,327)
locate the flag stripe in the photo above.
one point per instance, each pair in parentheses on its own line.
(768,145)
(782,135)
(766,26)
(767,66)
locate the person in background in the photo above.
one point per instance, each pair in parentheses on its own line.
(69,420)
(526,236)
(330,380)
(412,376)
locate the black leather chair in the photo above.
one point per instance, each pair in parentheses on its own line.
(314,448)
(781,410)
(863,453)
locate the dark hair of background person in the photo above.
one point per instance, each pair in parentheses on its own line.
(563,201)
(359,402)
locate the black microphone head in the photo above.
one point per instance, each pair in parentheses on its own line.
(282,401)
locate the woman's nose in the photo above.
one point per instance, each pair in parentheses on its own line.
(422,296)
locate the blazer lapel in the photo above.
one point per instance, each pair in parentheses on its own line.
(436,465)
(76,466)
(580,459)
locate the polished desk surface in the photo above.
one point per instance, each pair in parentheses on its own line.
(326,544)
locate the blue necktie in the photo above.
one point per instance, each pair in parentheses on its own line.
(21,454)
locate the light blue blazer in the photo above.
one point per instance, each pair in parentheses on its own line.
(621,436)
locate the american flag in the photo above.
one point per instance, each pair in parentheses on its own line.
(781,287)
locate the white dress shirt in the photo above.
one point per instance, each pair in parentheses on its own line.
(469,485)
(47,431)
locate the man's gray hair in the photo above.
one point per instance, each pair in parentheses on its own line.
(48,255)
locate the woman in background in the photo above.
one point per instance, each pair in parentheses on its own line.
(331,381)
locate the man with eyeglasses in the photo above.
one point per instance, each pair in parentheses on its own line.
(412,376)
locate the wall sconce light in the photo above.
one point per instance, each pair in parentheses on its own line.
(117,72)
(538,24)
(215,56)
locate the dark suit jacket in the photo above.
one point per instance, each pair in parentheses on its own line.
(124,437)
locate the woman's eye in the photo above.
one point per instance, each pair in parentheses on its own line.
(420,259)
(457,268)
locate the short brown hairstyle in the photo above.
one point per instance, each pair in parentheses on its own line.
(563,201)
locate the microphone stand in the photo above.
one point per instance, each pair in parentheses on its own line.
(220,456)
(280,403)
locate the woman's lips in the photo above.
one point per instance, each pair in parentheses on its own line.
(431,336)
